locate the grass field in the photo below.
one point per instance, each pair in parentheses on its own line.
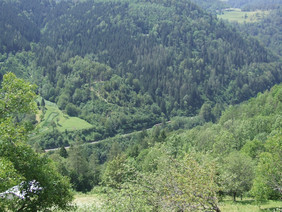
(236,15)
(63,122)
(250,206)
(93,202)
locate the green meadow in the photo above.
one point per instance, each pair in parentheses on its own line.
(250,205)
(236,15)
(55,118)
(94,202)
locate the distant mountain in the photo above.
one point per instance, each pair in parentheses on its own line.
(168,54)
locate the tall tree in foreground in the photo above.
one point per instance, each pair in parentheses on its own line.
(237,174)
(268,180)
(28,181)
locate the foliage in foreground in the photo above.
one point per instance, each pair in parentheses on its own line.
(246,148)
(21,167)
(173,185)
(268,181)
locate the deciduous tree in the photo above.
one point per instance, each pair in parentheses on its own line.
(268,180)
(237,174)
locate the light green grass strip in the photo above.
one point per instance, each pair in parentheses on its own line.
(236,15)
(250,206)
(63,121)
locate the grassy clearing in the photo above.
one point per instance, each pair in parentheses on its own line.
(250,205)
(93,202)
(87,202)
(87,199)
(236,15)
(54,117)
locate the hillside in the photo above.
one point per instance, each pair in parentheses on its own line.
(126,65)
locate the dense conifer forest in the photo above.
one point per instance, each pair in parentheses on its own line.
(171,94)
(132,62)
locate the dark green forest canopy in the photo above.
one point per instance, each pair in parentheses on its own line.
(213,6)
(124,65)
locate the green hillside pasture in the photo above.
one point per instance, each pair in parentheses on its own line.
(236,15)
(53,115)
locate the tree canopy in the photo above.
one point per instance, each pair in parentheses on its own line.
(21,167)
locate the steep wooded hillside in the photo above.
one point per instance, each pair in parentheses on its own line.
(17,30)
(124,65)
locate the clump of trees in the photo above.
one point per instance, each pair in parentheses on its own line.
(171,184)
(267,183)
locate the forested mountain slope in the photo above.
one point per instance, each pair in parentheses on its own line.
(16,32)
(125,65)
